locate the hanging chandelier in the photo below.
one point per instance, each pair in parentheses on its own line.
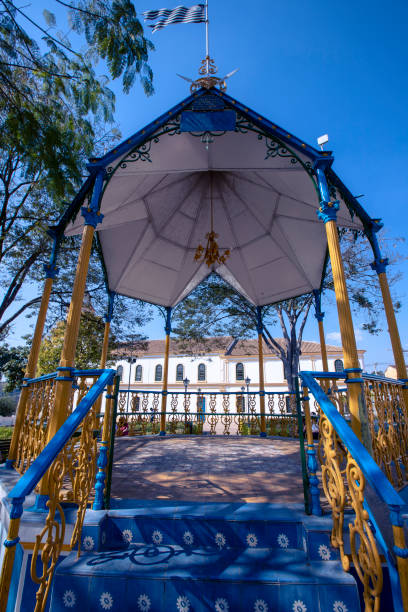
(211,254)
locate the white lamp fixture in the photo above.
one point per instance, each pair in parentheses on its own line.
(322,140)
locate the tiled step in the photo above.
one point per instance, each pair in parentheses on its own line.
(217,526)
(173,578)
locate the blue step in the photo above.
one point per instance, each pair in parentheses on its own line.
(167,577)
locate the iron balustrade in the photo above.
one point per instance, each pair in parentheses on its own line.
(67,464)
(216,413)
(347,467)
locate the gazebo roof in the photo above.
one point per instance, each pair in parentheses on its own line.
(156,205)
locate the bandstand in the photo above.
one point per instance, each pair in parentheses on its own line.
(209,186)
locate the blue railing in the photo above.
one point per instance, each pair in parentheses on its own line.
(371,472)
(40,465)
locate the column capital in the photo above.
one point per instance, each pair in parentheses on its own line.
(92,217)
(379,265)
(327,211)
(50,270)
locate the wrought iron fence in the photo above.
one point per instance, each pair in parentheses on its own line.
(213,413)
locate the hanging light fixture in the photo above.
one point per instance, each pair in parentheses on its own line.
(211,254)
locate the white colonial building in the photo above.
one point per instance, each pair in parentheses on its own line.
(223,365)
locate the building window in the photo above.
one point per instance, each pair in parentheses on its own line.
(239,371)
(338,365)
(138,374)
(119,371)
(158,373)
(201,372)
(180,372)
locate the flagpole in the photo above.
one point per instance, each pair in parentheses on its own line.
(207,45)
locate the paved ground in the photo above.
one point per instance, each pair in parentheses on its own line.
(208,469)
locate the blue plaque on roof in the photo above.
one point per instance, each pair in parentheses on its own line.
(213,121)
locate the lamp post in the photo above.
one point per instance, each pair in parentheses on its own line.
(130,361)
(186,382)
(243,399)
(248,382)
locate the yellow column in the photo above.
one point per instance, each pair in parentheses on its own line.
(392,327)
(402,562)
(8,559)
(323,346)
(63,386)
(31,363)
(261,374)
(359,422)
(165,373)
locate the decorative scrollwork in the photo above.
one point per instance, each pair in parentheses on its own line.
(363,546)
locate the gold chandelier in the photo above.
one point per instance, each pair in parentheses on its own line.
(211,254)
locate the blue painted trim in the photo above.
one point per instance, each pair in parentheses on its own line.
(40,504)
(101,476)
(50,271)
(352,370)
(11,543)
(91,217)
(167,327)
(371,471)
(16,505)
(162,433)
(30,381)
(380,265)
(313,480)
(111,301)
(262,434)
(38,468)
(9,464)
(259,323)
(318,304)
(401,552)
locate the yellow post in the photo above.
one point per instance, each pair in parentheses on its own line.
(32,362)
(328,213)
(392,326)
(402,561)
(9,554)
(105,345)
(165,373)
(261,373)
(64,380)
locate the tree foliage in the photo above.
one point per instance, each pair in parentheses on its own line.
(12,365)
(53,112)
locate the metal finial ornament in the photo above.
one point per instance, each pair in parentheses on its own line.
(207,69)
(211,254)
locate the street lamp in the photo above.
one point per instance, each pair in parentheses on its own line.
(248,382)
(243,399)
(130,361)
(186,382)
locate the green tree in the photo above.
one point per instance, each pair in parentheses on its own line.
(89,345)
(12,365)
(53,109)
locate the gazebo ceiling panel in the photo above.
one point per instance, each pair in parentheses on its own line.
(157,209)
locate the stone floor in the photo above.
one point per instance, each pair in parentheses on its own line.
(208,469)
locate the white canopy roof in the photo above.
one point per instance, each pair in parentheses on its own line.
(156,208)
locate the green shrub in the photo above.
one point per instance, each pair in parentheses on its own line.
(6,433)
(7,406)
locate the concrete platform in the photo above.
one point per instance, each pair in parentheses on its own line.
(204,468)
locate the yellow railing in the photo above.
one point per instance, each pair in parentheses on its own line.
(67,465)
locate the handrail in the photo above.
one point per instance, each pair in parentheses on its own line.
(371,471)
(41,464)
(74,372)
(365,376)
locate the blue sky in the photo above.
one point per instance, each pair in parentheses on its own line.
(311,67)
